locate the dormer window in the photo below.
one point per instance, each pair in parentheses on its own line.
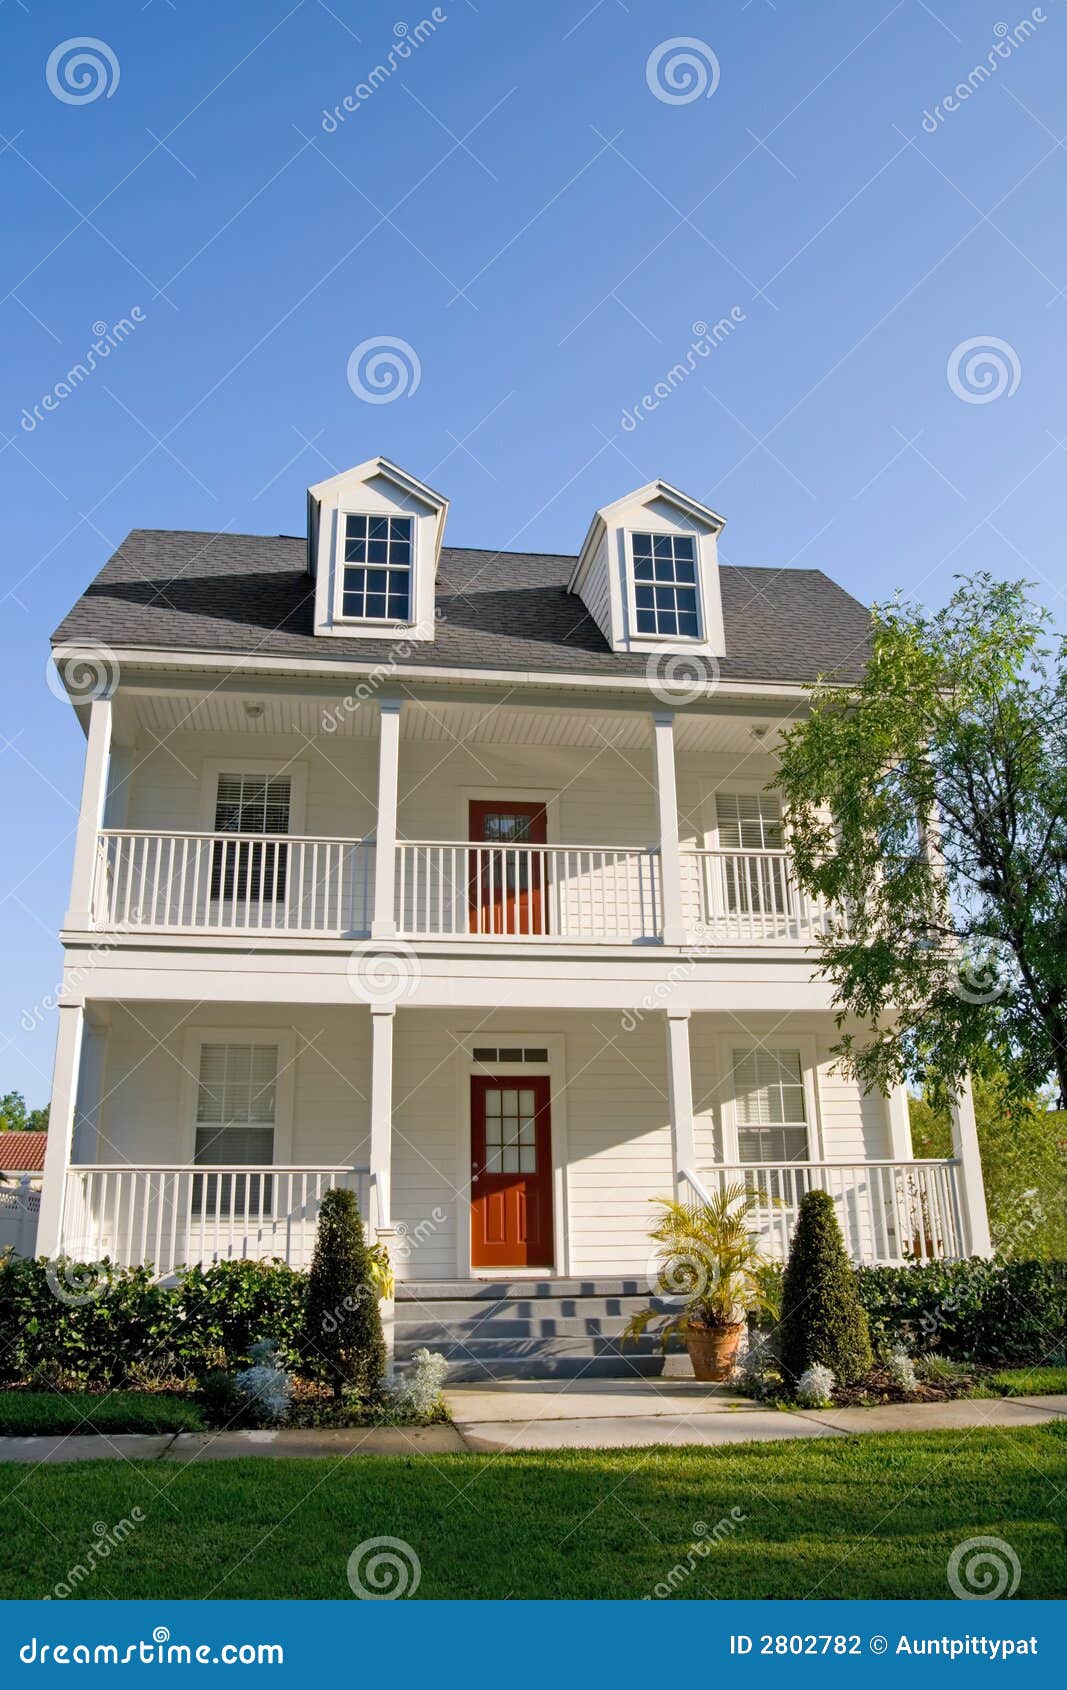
(376,569)
(664,570)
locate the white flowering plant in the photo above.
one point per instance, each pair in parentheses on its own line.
(815,1387)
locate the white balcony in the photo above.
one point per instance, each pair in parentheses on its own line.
(233,883)
(227,883)
(889,1212)
(179,1215)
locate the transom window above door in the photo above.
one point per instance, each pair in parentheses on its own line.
(376,568)
(664,568)
(510,1131)
(769,1105)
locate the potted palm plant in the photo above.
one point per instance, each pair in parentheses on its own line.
(711,1272)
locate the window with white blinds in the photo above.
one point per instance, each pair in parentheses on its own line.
(250,804)
(748,821)
(752,885)
(236,1103)
(769,1105)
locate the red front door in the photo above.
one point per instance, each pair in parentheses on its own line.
(506,881)
(511,1172)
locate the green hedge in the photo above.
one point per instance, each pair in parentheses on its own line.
(114,1326)
(994,1312)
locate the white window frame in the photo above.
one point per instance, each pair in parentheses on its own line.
(740,788)
(386,624)
(260,768)
(284,1092)
(654,639)
(747,1039)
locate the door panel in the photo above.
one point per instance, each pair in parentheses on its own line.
(511,1172)
(505,885)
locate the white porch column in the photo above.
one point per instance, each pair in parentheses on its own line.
(382,1020)
(60,1127)
(383,922)
(680,1094)
(667,808)
(899,1115)
(91,815)
(972,1186)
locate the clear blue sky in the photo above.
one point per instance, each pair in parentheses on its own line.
(516,204)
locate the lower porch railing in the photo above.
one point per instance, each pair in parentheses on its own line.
(889,1212)
(175,1216)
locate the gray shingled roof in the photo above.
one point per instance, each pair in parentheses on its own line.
(250,595)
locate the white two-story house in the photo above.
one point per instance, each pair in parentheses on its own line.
(459,877)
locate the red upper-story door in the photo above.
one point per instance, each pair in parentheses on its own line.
(506,875)
(511,1172)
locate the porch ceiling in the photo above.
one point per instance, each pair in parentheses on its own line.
(270,715)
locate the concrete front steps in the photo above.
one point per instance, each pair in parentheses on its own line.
(527,1328)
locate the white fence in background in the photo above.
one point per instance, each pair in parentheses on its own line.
(19,1209)
(176,1216)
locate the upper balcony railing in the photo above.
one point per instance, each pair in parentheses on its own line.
(283,884)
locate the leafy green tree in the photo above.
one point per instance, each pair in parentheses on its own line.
(1023,1145)
(929,804)
(343,1341)
(823,1321)
(16,1118)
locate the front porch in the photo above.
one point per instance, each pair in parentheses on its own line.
(482,1145)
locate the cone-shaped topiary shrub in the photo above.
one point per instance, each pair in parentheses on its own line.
(823,1323)
(343,1341)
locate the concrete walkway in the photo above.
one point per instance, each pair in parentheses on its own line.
(540,1415)
(633,1414)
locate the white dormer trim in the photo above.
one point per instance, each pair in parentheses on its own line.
(603,575)
(374,488)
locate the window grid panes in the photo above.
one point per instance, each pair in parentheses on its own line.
(748,821)
(756,885)
(770,1106)
(665,592)
(235,1116)
(250,804)
(376,572)
(510,1131)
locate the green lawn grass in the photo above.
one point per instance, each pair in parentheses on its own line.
(876,1516)
(1029,1382)
(25,1413)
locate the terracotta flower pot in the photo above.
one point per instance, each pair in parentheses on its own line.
(712,1350)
